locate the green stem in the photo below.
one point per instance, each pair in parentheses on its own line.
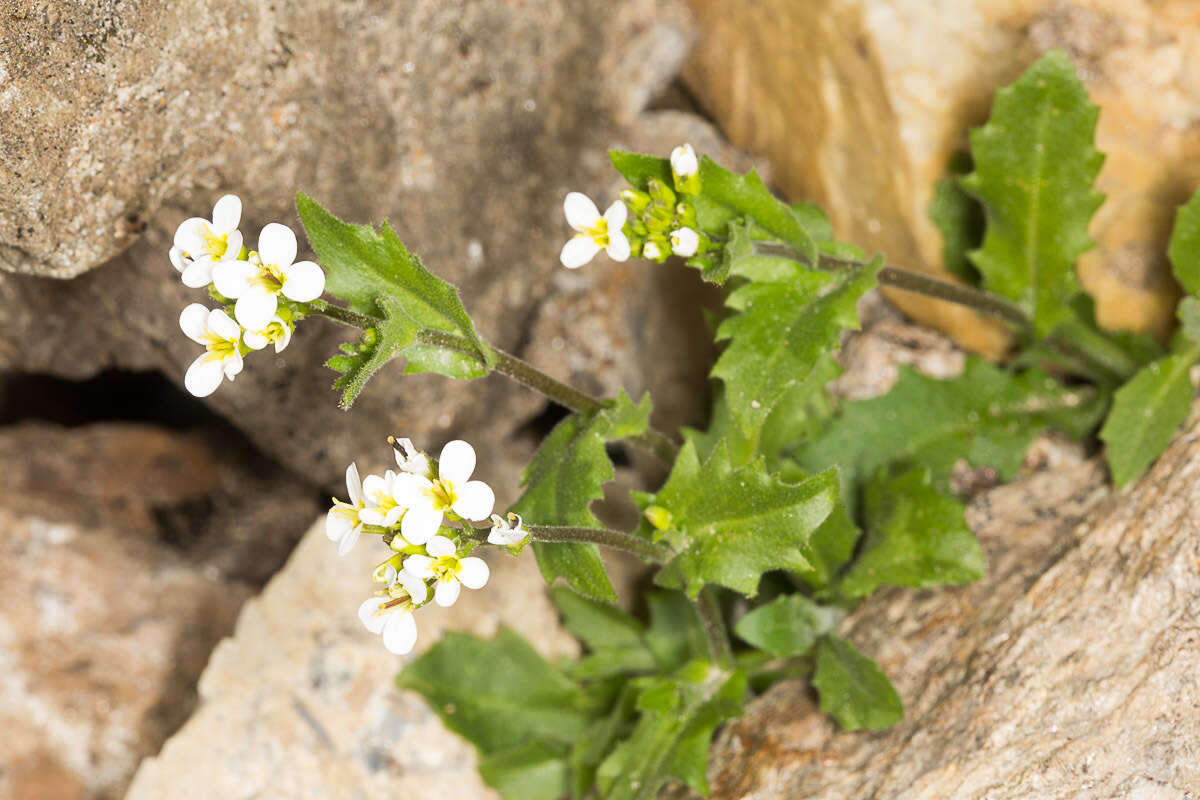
(510,365)
(709,609)
(617,540)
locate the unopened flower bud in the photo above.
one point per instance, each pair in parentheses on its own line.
(685,242)
(658,516)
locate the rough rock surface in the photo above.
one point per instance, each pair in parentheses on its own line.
(860,105)
(464,123)
(1069,672)
(300,702)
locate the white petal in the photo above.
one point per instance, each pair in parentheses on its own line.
(473,572)
(353,484)
(375,489)
(220,324)
(367,613)
(204,376)
(580,210)
(615,215)
(440,546)
(415,587)
(400,632)
(189,237)
(232,366)
(349,539)
(420,524)
(373,516)
(390,575)
(685,242)
(578,251)
(233,246)
(475,500)
(198,274)
(226,214)
(255,340)
(456,462)
(412,491)
(277,245)
(392,516)
(336,524)
(446,592)
(232,278)
(193,320)
(419,566)
(683,161)
(255,308)
(618,246)
(303,281)
(283,340)
(178,260)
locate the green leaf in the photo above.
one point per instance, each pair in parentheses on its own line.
(853,689)
(672,742)
(604,734)
(787,626)
(640,169)
(1145,414)
(986,416)
(393,337)
(748,195)
(731,524)
(1184,250)
(1035,166)
(530,771)
(781,333)
(916,536)
(566,475)
(675,635)
(498,693)
(960,219)
(363,265)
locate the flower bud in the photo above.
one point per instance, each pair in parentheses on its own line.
(685,242)
(659,517)
(685,169)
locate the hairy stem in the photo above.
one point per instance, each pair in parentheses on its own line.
(709,609)
(617,540)
(657,442)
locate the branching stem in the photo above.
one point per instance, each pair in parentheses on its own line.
(617,540)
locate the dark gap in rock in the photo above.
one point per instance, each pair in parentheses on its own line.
(676,96)
(538,426)
(618,454)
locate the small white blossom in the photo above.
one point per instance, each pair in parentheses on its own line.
(427,499)
(343,523)
(200,243)
(409,458)
(257,284)
(392,614)
(684,161)
(222,357)
(451,572)
(651,251)
(595,232)
(382,508)
(276,332)
(507,534)
(685,242)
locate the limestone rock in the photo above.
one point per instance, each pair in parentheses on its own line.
(300,702)
(1070,671)
(860,105)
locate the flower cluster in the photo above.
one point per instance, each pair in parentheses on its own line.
(415,511)
(654,224)
(261,291)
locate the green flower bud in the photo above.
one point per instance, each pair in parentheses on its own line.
(685,214)
(370,337)
(659,517)
(636,201)
(661,193)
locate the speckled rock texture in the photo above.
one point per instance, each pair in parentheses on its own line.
(300,703)
(464,123)
(861,104)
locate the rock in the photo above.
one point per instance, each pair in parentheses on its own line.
(464,123)
(1068,672)
(300,702)
(861,104)
(102,637)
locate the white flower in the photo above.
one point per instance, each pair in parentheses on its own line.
(200,243)
(426,500)
(409,458)
(343,523)
(595,232)
(222,357)
(392,615)
(685,242)
(451,572)
(651,251)
(276,331)
(507,534)
(382,508)
(684,162)
(256,285)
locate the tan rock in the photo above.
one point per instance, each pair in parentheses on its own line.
(860,105)
(300,702)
